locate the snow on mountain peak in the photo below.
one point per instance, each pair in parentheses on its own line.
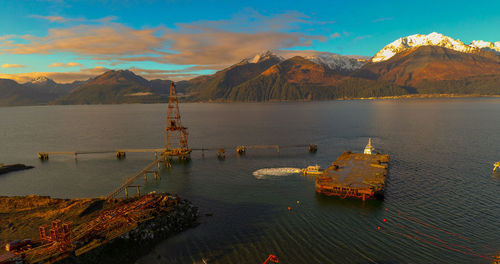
(433,39)
(40,79)
(262,56)
(336,61)
(492,46)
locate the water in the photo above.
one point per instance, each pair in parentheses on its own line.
(440,184)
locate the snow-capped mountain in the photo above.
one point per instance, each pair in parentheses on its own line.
(331,60)
(259,57)
(41,79)
(492,46)
(337,62)
(433,39)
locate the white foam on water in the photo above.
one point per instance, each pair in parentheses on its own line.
(274,172)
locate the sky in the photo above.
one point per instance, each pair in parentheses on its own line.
(73,40)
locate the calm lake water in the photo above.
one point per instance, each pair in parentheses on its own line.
(442,202)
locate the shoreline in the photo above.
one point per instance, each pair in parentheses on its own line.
(396,97)
(21,216)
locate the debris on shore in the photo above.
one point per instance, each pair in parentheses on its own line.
(91,230)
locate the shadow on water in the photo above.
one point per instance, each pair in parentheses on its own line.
(186,162)
(222,226)
(349,203)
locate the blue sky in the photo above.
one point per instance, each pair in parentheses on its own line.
(68,40)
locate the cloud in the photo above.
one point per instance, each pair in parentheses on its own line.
(335,35)
(73,64)
(62,64)
(215,42)
(6,65)
(114,39)
(59,19)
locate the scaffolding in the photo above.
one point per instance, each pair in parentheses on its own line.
(176,135)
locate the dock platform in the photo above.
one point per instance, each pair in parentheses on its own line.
(355,175)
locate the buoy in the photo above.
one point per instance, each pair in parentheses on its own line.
(378,228)
(289,208)
(298,202)
(385,220)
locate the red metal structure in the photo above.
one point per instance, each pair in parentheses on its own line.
(175,134)
(60,232)
(271,258)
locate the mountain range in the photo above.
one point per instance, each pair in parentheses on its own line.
(416,64)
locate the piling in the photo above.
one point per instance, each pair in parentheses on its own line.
(120,154)
(241,150)
(221,154)
(313,148)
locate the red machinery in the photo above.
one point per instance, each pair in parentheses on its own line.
(271,258)
(18,245)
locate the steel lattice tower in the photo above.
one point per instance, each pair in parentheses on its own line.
(175,134)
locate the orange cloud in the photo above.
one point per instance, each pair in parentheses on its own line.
(6,65)
(218,42)
(62,64)
(335,35)
(112,39)
(59,19)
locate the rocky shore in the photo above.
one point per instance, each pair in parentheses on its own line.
(140,241)
(13,167)
(20,218)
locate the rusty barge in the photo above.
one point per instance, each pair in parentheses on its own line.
(355,175)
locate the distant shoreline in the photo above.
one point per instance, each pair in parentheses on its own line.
(430,96)
(397,97)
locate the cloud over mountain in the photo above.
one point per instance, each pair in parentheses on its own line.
(215,42)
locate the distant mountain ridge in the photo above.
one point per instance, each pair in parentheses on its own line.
(40,90)
(116,87)
(416,64)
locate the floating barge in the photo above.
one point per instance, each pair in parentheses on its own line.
(355,175)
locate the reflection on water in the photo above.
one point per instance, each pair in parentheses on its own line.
(369,205)
(440,174)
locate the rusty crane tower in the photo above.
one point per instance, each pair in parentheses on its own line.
(176,135)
